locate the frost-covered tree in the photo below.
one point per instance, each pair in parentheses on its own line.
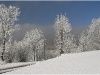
(91,39)
(69,43)
(94,34)
(86,41)
(40,49)
(30,48)
(8,16)
(62,28)
(10,52)
(36,40)
(22,50)
(83,41)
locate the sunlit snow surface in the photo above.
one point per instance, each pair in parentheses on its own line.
(78,63)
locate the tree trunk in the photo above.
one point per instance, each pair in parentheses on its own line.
(61,51)
(4,41)
(44,51)
(34,53)
(84,49)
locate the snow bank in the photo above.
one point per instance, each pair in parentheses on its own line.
(78,63)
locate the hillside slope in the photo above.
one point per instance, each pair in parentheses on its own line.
(78,63)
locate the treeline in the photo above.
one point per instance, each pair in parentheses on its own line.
(33,46)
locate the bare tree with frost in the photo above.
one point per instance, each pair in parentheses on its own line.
(36,40)
(69,43)
(40,50)
(83,42)
(94,34)
(22,49)
(11,52)
(31,47)
(86,41)
(62,28)
(91,39)
(8,16)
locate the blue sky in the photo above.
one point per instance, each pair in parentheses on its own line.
(42,14)
(80,13)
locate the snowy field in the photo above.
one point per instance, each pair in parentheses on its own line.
(78,63)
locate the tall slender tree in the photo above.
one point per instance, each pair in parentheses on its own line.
(8,16)
(62,28)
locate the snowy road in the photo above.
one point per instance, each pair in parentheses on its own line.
(13,67)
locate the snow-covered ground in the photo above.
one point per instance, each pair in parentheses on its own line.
(78,63)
